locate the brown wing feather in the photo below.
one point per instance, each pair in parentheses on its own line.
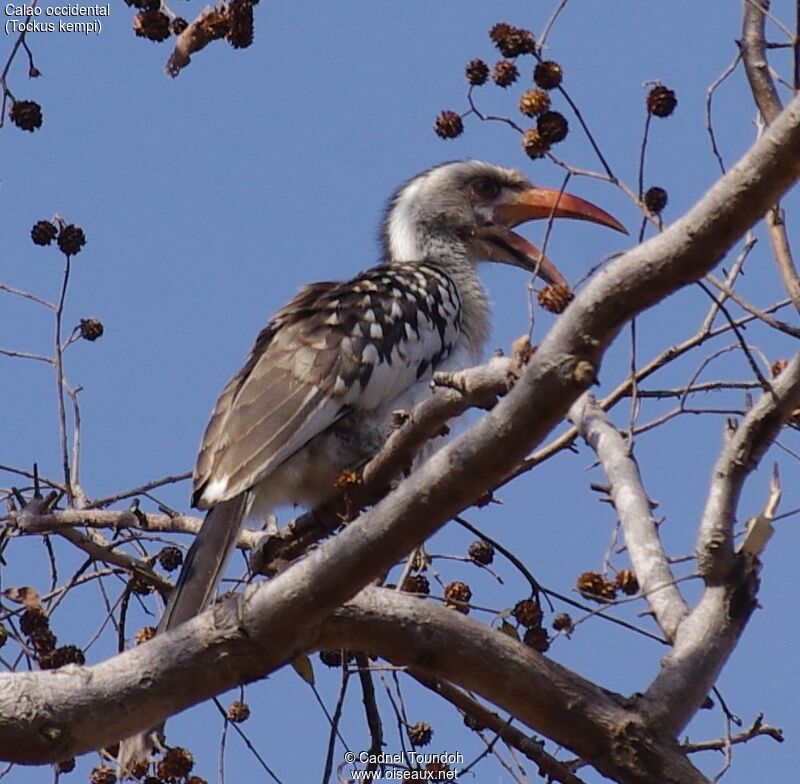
(317,359)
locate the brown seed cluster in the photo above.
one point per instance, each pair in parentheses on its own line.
(416,583)
(71,239)
(140,586)
(512,41)
(176,764)
(144,634)
(548,74)
(563,623)
(537,639)
(457,595)
(528,613)
(170,558)
(594,585)
(552,127)
(420,734)
(335,658)
(449,125)
(626,581)
(35,625)
(655,200)
(238,712)
(60,657)
(240,13)
(505,73)
(43,232)
(152,24)
(103,774)
(661,101)
(26,115)
(534,102)
(481,551)
(477,72)
(533,144)
(555,298)
(91,329)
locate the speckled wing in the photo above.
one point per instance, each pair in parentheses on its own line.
(335,348)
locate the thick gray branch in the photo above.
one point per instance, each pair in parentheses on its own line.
(633,508)
(48,716)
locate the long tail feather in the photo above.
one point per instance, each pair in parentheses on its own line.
(205,562)
(198,580)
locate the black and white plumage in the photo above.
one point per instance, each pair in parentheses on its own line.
(318,390)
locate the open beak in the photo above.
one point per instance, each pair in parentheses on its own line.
(536,204)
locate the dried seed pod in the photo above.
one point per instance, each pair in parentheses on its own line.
(170,558)
(152,24)
(517,41)
(533,102)
(537,639)
(563,623)
(420,734)
(626,581)
(91,329)
(504,73)
(238,712)
(477,72)
(448,125)
(335,658)
(140,586)
(144,634)
(655,200)
(176,764)
(71,239)
(33,619)
(103,774)
(555,298)
(548,74)
(43,640)
(593,585)
(481,552)
(528,613)
(26,115)
(533,144)
(60,657)
(240,13)
(661,101)
(457,595)
(553,127)
(500,31)
(416,583)
(43,232)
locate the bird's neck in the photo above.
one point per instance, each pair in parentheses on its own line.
(450,256)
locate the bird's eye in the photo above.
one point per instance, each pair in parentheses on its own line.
(485,188)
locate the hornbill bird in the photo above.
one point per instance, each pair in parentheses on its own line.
(317,392)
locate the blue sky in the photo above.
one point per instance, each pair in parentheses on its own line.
(209,199)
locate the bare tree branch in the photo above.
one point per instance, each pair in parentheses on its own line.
(634,509)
